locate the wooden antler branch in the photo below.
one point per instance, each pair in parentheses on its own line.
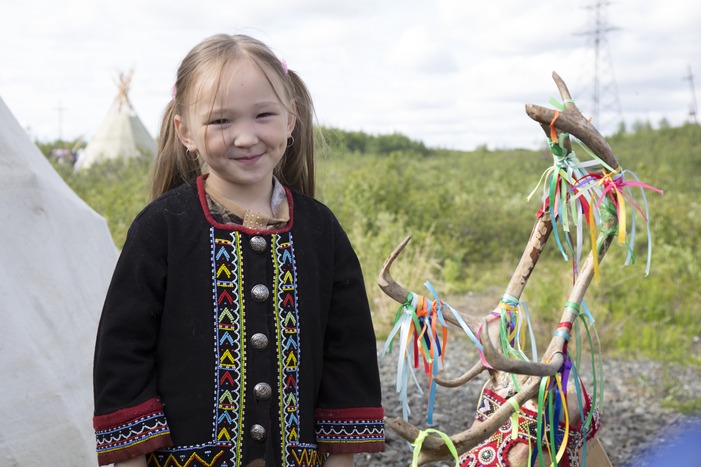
(570,121)
(573,122)
(399,294)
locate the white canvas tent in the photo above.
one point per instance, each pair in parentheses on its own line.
(121,133)
(56,260)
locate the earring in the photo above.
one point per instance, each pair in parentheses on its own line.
(190,152)
(290,141)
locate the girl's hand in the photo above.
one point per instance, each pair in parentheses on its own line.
(135,462)
(339,460)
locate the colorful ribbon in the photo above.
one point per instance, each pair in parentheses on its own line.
(567,205)
(617,189)
(573,191)
(422,332)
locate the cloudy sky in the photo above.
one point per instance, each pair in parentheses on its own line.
(452,73)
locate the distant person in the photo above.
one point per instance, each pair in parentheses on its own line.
(62,155)
(236,330)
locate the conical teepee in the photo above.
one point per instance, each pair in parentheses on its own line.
(57,257)
(121,134)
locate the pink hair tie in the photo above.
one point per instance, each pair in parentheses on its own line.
(173,92)
(283,64)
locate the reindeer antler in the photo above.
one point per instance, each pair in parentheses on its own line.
(399,294)
(554,123)
(573,122)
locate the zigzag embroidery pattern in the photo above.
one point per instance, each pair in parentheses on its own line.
(229,326)
(307,457)
(194,460)
(287,320)
(365,431)
(132,433)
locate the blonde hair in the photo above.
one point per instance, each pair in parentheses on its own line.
(174,166)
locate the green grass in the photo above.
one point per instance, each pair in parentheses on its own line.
(469,218)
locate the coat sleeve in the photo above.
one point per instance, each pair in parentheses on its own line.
(349,414)
(129,419)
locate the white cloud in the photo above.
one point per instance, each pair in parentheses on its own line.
(449,72)
(418,50)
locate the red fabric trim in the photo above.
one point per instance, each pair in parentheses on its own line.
(141,449)
(203,203)
(124,416)
(358,413)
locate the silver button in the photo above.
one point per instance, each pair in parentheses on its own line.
(260,293)
(262,391)
(258,244)
(259,341)
(258,432)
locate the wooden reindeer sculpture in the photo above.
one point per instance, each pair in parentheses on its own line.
(531,412)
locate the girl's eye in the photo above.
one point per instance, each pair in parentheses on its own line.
(219,121)
(265,114)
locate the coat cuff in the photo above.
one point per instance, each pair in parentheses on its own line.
(131,432)
(349,431)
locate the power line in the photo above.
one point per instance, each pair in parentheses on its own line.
(692,107)
(604,104)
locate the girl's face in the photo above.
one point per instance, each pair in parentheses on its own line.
(240,128)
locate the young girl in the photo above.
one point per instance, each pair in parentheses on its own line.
(236,330)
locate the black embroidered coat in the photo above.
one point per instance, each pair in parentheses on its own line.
(219,345)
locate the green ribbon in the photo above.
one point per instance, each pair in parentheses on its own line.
(418,442)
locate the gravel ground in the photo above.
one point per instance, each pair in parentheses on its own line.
(633,420)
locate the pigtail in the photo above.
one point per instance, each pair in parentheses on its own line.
(173,166)
(297,167)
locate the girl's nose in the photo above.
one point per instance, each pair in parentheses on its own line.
(245,136)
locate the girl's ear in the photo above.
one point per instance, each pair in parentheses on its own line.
(291,120)
(182,131)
